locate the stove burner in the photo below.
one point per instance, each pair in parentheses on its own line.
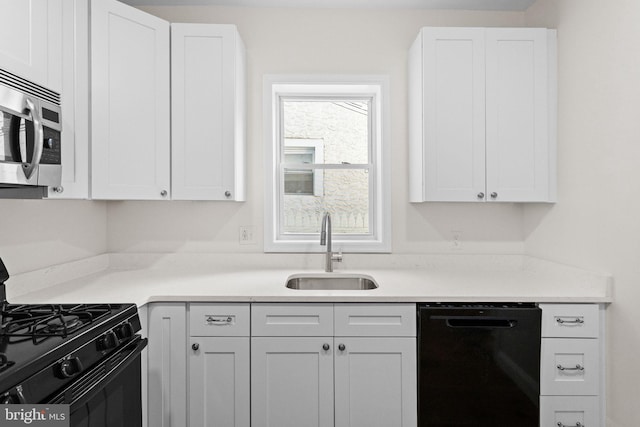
(63,324)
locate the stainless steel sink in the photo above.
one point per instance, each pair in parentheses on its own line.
(331,282)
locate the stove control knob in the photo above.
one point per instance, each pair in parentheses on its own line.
(108,341)
(124,331)
(69,368)
(13,397)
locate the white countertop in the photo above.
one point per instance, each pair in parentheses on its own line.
(144,278)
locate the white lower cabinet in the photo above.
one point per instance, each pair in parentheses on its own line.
(219,365)
(317,380)
(569,411)
(219,382)
(375,382)
(292,381)
(571,365)
(167,382)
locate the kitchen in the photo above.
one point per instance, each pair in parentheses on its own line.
(596,132)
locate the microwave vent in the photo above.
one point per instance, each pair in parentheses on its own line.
(23,85)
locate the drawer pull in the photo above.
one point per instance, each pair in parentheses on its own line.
(576,321)
(222,321)
(577,368)
(578,424)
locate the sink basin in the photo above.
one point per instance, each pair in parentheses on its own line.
(331,282)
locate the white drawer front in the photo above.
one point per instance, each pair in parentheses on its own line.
(569,411)
(570,320)
(569,367)
(291,320)
(382,320)
(219,320)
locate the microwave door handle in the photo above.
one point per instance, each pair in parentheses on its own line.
(38,139)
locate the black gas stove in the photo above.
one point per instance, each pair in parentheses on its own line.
(67,353)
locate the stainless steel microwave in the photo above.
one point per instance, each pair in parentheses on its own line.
(30,138)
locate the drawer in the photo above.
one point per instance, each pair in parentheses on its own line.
(219,320)
(570,320)
(380,320)
(570,367)
(292,320)
(569,411)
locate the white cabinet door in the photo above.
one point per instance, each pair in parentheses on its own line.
(453,102)
(23,39)
(375,382)
(518,148)
(167,365)
(75,101)
(219,382)
(207,86)
(130,135)
(291,382)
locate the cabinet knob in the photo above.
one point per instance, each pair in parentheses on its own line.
(326,347)
(494,195)
(195,346)
(480,195)
(58,189)
(164,193)
(342,347)
(227,193)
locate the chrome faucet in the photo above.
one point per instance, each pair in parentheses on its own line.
(325,239)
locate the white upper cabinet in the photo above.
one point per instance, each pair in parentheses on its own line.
(482,106)
(130,103)
(208,108)
(74,25)
(30,40)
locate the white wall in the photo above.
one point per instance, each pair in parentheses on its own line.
(38,233)
(596,222)
(320,41)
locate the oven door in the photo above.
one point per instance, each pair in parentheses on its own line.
(109,394)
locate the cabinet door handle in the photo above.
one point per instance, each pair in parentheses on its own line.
(342,347)
(577,368)
(577,424)
(575,321)
(326,347)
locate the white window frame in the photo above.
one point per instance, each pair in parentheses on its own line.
(276,87)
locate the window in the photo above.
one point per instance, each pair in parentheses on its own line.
(326,152)
(303,181)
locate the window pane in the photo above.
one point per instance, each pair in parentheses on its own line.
(345,196)
(343,127)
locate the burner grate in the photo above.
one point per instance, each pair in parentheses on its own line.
(39,322)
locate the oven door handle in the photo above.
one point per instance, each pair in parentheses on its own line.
(91,382)
(38,139)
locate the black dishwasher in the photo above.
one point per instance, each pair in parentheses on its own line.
(479,365)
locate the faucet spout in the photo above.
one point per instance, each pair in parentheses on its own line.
(325,240)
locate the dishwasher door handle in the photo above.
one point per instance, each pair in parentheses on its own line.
(479,322)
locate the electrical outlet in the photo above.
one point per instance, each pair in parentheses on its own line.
(246,236)
(456,240)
